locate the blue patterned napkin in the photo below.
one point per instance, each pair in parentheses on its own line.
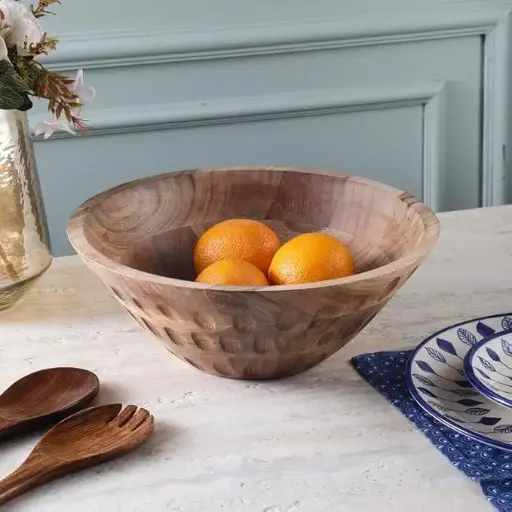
(491,467)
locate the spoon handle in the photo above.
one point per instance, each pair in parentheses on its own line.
(31,474)
(10,427)
(5,425)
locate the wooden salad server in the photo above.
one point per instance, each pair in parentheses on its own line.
(84,439)
(44,398)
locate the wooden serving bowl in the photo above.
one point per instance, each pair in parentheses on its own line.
(138,238)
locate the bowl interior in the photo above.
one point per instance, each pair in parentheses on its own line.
(152,225)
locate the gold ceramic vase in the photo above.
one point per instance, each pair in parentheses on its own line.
(24,244)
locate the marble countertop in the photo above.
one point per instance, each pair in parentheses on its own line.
(320,442)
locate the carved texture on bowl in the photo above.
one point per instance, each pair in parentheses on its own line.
(239,337)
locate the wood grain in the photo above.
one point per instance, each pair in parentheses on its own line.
(138,239)
(45,397)
(82,440)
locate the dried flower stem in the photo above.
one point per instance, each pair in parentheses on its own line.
(56,89)
(40,9)
(30,78)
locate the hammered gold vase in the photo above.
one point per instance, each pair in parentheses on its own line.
(24,243)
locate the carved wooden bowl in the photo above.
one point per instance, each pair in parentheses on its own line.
(139,238)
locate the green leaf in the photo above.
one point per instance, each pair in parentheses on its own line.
(13,90)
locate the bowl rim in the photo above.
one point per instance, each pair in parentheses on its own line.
(76,234)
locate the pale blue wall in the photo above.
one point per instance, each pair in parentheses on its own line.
(388,89)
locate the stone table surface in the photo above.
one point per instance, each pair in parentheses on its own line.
(324,441)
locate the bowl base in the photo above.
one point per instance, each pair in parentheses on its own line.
(248,371)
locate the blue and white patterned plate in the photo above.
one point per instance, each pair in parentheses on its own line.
(436,379)
(488,367)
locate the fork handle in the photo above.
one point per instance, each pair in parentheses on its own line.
(31,474)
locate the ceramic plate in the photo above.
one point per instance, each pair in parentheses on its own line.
(436,379)
(488,366)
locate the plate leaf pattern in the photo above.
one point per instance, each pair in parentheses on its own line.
(491,373)
(425,367)
(436,355)
(433,375)
(447,346)
(477,411)
(507,347)
(506,323)
(466,337)
(503,429)
(493,355)
(423,380)
(483,374)
(464,392)
(428,393)
(439,406)
(489,421)
(468,402)
(484,330)
(463,383)
(486,364)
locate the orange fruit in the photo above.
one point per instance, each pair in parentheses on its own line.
(232,272)
(237,239)
(311,257)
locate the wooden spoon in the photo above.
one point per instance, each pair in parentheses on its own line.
(82,440)
(45,397)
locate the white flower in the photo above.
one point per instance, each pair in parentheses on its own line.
(85,93)
(48,128)
(3,50)
(23,26)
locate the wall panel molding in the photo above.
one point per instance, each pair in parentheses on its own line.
(96,51)
(344,25)
(431,96)
(496,127)
(434,150)
(249,109)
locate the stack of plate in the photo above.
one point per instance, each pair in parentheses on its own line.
(462,376)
